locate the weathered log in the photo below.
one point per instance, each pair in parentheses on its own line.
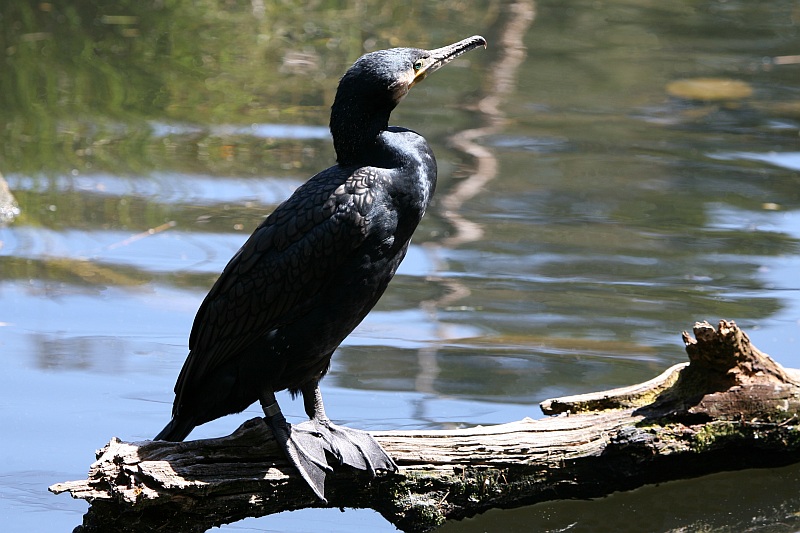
(730,407)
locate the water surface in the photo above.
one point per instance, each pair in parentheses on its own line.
(585,216)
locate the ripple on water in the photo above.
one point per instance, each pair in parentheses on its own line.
(522,143)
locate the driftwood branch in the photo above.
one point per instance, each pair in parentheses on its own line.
(730,407)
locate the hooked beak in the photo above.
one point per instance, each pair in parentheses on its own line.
(441,56)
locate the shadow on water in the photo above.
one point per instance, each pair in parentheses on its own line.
(587,212)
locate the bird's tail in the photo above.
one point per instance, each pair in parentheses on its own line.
(177,430)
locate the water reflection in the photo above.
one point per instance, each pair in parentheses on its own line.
(78,353)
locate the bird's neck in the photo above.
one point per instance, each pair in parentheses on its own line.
(356,125)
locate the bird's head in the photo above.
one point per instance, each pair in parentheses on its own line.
(375,84)
(390,74)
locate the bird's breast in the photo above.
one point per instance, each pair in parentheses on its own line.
(413,168)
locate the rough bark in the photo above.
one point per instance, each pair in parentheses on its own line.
(730,407)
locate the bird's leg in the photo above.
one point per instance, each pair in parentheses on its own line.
(305,450)
(352,447)
(312,402)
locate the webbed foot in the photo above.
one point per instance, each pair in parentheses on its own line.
(303,450)
(351,447)
(307,444)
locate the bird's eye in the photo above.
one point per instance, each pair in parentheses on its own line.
(417,65)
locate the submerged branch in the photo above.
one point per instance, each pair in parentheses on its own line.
(730,407)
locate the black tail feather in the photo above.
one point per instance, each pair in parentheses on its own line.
(176,430)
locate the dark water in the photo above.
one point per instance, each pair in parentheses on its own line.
(587,212)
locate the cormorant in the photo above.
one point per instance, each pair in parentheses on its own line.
(313,269)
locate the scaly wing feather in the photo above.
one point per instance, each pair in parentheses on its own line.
(279,270)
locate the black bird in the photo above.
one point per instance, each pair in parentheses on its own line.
(313,269)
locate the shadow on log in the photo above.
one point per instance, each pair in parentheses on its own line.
(730,407)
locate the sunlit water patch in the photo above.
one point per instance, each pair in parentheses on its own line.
(788,160)
(166,251)
(167,188)
(163,252)
(263,131)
